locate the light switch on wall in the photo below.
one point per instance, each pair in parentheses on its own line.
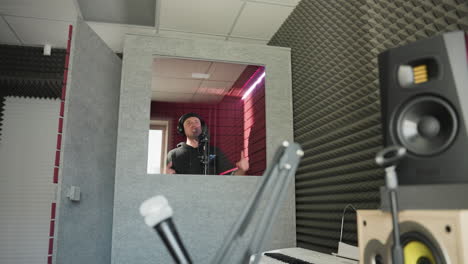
(74,193)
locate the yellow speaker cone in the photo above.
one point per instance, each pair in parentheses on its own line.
(414,251)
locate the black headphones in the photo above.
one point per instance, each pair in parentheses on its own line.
(180,125)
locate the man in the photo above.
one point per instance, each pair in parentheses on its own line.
(186,158)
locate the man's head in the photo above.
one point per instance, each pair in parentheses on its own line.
(191,125)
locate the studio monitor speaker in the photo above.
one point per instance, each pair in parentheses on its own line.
(424,99)
(427,237)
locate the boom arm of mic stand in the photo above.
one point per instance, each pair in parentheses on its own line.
(239,227)
(277,175)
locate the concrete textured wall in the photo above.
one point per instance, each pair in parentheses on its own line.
(89,147)
(205,206)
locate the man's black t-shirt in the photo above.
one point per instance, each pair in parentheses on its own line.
(186,160)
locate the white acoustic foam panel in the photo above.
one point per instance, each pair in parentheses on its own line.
(27,152)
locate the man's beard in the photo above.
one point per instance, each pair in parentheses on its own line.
(195,134)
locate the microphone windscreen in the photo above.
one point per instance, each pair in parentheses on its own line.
(155,210)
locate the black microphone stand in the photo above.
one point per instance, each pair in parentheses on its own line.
(203,141)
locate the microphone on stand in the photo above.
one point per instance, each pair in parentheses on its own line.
(158,214)
(203,137)
(389,158)
(203,140)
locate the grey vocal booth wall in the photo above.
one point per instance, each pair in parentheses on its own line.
(205,206)
(334,46)
(84,228)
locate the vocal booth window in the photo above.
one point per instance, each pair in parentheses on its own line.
(229,97)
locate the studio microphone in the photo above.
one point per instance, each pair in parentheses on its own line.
(158,214)
(203,137)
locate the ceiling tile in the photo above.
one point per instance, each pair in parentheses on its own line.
(48,9)
(171,97)
(132,12)
(208,16)
(179,68)
(260,21)
(114,34)
(205,98)
(39,32)
(221,71)
(172,85)
(249,40)
(214,87)
(7,36)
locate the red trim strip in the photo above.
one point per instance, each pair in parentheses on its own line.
(52,210)
(64,89)
(62,108)
(65,72)
(59,141)
(56,173)
(60,127)
(59,145)
(52,228)
(57,158)
(51,246)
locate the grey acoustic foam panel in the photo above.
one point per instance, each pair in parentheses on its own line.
(334,47)
(25,71)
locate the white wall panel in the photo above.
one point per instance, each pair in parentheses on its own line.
(27,154)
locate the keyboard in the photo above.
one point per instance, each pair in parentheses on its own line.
(301,256)
(286,258)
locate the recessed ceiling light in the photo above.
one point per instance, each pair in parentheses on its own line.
(197,75)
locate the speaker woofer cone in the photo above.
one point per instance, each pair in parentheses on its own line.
(426,125)
(374,253)
(418,249)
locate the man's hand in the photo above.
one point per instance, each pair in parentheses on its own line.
(242,165)
(169,169)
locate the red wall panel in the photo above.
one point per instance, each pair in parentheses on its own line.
(254,126)
(224,121)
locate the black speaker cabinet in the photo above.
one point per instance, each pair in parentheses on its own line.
(424,99)
(427,237)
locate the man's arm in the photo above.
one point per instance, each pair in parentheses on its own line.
(242,165)
(169,164)
(169,169)
(225,167)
